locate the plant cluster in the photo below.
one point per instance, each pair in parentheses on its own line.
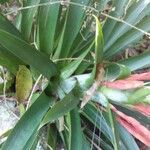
(89,99)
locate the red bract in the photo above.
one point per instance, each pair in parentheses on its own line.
(144,109)
(133,126)
(134,81)
(124,84)
(140,77)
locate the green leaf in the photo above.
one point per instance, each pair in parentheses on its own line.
(113,124)
(6,25)
(47,18)
(137,62)
(76,132)
(60,43)
(85,143)
(91,113)
(75,18)
(130,37)
(127,138)
(138,95)
(114,95)
(144,120)
(28,17)
(98,140)
(70,68)
(27,125)
(6,59)
(9,61)
(69,102)
(27,54)
(52,136)
(109,25)
(99,42)
(132,17)
(32,140)
(116,71)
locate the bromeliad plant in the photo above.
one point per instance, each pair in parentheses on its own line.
(78,102)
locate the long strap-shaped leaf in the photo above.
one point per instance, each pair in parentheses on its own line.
(132,16)
(75,19)
(76,132)
(27,54)
(9,61)
(47,25)
(137,62)
(8,26)
(27,125)
(27,17)
(132,36)
(69,102)
(6,58)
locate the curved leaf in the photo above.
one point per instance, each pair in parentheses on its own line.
(76,132)
(27,125)
(28,17)
(69,102)
(47,18)
(27,54)
(138,62)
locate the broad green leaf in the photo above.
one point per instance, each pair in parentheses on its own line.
(75,18)
(127,138)
(116,71)
(113,124)
(27,54)
(85,143)
(47,18)
(98,140)
(132,17)
(9,61)
(147,99)
(144,120)
(70,68)
(31,141)
(76,132)
(28,17)
(69,102)
(97,70)
(137,62)
(109,25)
(91,113)
(27,125)
(80,43)
(17,21)
(138,95)
(6,25)
(100,98)
(52,136)
(114,95)
(99,42)
(130,37)
(60,43)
